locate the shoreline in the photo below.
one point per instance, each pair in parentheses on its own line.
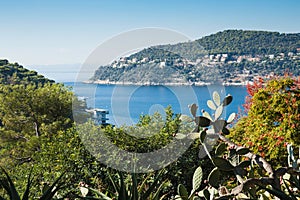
(101,82)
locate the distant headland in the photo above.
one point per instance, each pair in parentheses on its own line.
(230,57)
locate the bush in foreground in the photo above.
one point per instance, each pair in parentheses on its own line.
(273,119)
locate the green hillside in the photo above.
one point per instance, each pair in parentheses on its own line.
(13,73)
(250,42)
(231,53)
(238,42)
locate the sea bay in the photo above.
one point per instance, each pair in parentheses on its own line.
(127,103)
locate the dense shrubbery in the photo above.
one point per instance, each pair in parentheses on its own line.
(273,119)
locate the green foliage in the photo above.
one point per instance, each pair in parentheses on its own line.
(8,185)
(144,73)
(26,113)
(62,153)
(37,130)
(156,53)
(36,120)
(15,74)
(250,42)
(272,121)
(149,134)
(237,42)
(136,139)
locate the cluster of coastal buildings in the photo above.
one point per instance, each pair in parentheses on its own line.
(239,77)
(210,59)
(225,58)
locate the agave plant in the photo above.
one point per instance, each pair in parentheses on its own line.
(8,185)
(149,189)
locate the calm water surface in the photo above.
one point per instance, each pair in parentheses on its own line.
(127,103)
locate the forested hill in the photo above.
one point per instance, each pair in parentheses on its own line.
(236,55)
(13,73)
(238,42)
(250,42)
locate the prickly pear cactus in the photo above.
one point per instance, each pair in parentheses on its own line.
(213,125)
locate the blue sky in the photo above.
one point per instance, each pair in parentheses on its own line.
(39,32)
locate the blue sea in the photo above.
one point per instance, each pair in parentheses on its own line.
(127,103)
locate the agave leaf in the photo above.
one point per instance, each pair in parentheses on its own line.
(50,192)
(245,163)
(193,109)
(197,178)
(114,184)
(100,194)
(27,191)
(145,181)
(218,112)
(222,164)
(211,105)
(231,117)
(153,185)
(5,185)
(160,188)
(122,189)
(216,98)
(134,188)
(227,100)
(11,189)
(213,178)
